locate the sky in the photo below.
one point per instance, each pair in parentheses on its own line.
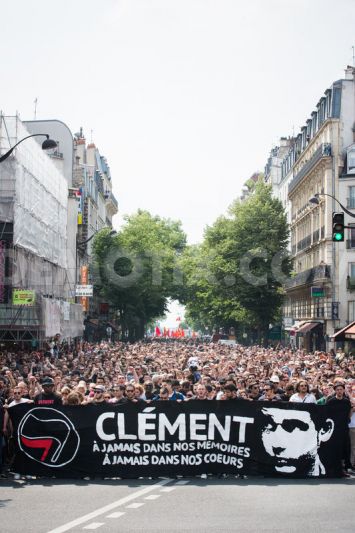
(185,98)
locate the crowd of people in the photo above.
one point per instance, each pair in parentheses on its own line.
(174,370)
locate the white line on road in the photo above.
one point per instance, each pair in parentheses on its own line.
(135,505)
(167,489)
(182,482)
(152,497)
(117,514)
(94,525)
(109,507)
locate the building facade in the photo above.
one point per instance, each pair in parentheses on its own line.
(97,207)
(35,290)
(320,296)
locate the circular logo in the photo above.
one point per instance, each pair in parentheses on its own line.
(47,436)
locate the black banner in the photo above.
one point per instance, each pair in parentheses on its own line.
(168,438)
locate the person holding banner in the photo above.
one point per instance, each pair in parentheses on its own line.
(341,398)
(48,396)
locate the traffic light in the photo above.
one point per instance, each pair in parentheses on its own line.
(338,227)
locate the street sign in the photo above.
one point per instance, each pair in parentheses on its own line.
(84,290)
(317,292)
(23,297)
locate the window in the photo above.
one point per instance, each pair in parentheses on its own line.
(351,311)
(351,198)
(351,162)
(350,242)
(352,270)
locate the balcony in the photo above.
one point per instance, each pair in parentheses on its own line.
(304,243)
(321,309)
(315,237)
(109,197)
(111,204)
(324,151)
(317,274)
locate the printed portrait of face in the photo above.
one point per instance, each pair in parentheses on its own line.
(291,438)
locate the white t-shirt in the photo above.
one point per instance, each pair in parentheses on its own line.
(352,421)
(309,398)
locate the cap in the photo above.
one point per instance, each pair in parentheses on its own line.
(47,381)
(275,379)
(100,388)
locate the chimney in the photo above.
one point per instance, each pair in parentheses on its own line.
(349,72)
(91,154)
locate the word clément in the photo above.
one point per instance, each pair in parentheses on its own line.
(155,426)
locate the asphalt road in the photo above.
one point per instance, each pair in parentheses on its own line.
(186,505)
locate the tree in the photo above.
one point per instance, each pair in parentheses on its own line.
(260,233)
(244,262)
(136,270)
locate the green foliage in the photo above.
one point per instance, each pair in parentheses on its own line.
(236,275)
(136,270)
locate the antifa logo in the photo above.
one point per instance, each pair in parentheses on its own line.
(48,437)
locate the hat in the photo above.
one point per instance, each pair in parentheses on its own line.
(100,388)
(47,381)
(275,379)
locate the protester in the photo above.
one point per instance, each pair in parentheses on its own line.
(48,396)
(302,394)
(176,370)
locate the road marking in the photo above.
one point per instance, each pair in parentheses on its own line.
(167,489)
(109,507)
(94,525)
(134,505)
(117,514)
(182,482)
(152,497)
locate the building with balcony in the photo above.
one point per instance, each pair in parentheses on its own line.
(320,296)
(91,202)
(274,176)
(97,207)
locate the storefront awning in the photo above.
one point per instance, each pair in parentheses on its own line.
(307,326)
(346,333)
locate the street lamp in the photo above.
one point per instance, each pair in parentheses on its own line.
(46,145)
(315,200)
(81,243)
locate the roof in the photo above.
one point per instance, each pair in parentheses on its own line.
(307,326)
(347,332)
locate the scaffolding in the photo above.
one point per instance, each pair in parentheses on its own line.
(33,242)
